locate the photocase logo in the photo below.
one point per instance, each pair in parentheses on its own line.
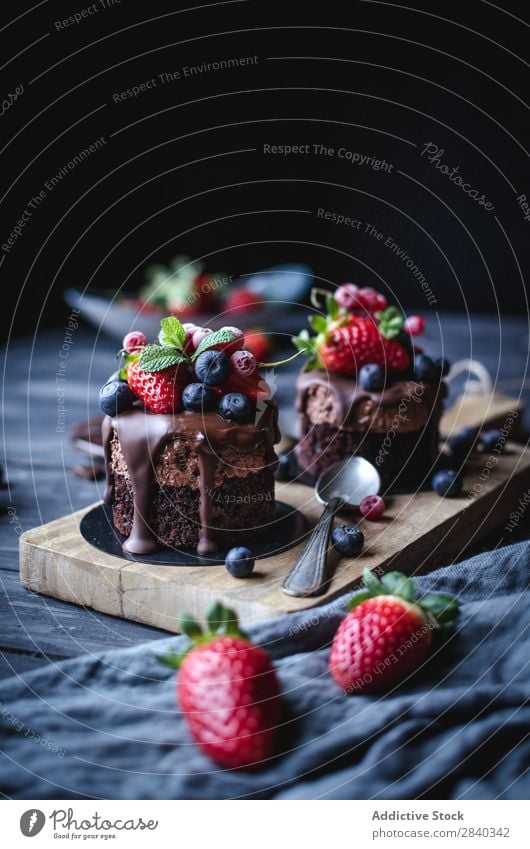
(32,822)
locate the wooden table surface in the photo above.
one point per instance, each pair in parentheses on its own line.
(39,458)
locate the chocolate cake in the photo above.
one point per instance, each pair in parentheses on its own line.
(189,479)
(396,428)
(188,438)
(368,389)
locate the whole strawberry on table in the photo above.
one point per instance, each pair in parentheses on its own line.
(228,691)
(387,632)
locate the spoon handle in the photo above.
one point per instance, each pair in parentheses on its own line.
(308,575)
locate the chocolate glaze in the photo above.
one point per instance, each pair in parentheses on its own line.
(349,394)
(142,435)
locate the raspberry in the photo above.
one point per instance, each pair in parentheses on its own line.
(134,341)
(243,363)
(372,507)
(371,301)
(415,325)
(346,296)
(199,335)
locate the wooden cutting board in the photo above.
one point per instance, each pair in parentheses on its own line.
(418,532)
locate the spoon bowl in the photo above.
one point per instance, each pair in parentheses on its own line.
(344,484)
(351,480)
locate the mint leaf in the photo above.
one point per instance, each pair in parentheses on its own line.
(172,332)
(220,336)
(157,358)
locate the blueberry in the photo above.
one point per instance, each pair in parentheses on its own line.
(348,540)
(240,562)
(372,377)
(198,398)
(236,407)
(424,369)
(442,366)
(444,390)
(116,397)
(493,440)
(213,368)
(287,467)
(463,442)
(115,376)
(447,483)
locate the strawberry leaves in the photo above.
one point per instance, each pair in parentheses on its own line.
(440,609)
(221,622)
(391,322)
(304,344)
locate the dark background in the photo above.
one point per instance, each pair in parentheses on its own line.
(167,179)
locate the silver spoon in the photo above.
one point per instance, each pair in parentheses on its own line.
(344,484)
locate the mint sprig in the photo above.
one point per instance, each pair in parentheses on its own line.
(217,338)
(172,332)
(160,357)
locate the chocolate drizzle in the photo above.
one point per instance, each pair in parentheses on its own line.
(142,436)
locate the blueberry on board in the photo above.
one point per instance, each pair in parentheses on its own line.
(198,398)
(213,368)
(236,407)
(287,466)
(348,540)
(464,441)
(372,377)
(240,562)
(424,369)
(447,483)
(115,397)
(492,440)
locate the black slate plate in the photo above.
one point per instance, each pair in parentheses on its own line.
(284,532)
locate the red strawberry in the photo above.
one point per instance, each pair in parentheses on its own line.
(387,634)
(258,344)
(358,342)
(228,691)
(241,300)
(160,391)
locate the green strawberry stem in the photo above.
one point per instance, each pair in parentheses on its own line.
(221,622)
(441,610)
(279,362)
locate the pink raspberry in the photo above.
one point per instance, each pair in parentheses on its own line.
(199,335)
(415,325)
(372,507)
(134,341)
(346,296)
(243,363)
(371,300)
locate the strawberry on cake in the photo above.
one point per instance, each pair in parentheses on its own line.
(367,388)
(188,437)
